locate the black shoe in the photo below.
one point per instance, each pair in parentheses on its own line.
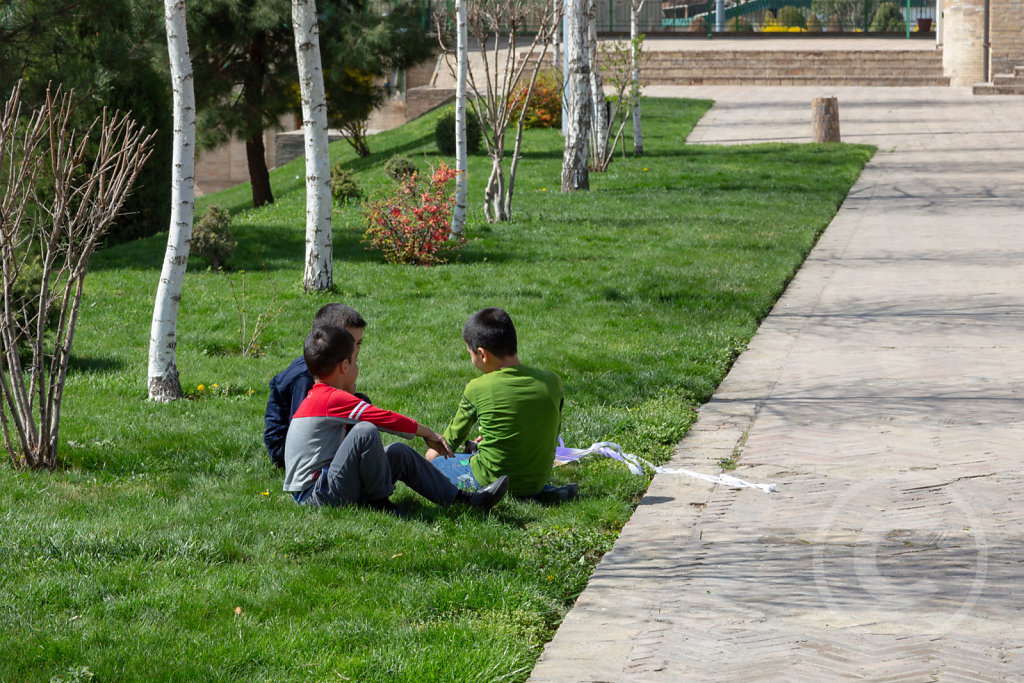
(553,495)
(385,505)
(487,497)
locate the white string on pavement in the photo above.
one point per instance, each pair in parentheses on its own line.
(636,465)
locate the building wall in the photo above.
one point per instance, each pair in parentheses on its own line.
(227,166)
(963,37)
(1006,35)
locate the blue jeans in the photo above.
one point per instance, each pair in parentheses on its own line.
(456,467)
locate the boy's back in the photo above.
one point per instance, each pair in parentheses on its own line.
(321,424)
(519,412)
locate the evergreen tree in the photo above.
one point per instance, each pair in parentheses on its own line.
(358,46)
(111,52)
(243,58)
(888,19)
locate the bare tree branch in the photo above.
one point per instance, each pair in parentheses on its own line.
(59,223)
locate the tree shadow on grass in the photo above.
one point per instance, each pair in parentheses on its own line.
(94,365)
(423,144)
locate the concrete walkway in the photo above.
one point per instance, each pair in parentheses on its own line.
(884,396)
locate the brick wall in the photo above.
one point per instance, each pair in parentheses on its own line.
(227,166)
(1006,35)
(963,29)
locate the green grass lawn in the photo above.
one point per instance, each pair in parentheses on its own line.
(164,549)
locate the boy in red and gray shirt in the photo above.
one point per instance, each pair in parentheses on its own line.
(333,452)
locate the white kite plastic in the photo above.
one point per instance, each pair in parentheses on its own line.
(636,465)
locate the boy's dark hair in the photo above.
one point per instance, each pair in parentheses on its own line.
(339,315)
(491,329)
(325,348)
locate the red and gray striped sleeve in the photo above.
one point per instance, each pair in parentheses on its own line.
(325,401)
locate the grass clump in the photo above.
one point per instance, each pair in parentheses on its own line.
(165,550)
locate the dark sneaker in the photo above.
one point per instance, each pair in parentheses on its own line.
(553,495)
(385,505)
(488,496)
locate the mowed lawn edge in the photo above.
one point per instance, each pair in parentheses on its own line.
(164,549)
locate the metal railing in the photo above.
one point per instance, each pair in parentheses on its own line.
(678,16)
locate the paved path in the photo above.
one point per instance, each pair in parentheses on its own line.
(883,396)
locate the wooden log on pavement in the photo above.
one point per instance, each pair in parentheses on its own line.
(825,119)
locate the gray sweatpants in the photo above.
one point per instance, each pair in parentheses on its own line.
(363,471)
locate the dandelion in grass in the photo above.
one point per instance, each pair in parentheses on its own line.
(200,388)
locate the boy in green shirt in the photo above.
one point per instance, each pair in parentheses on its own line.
(518,408)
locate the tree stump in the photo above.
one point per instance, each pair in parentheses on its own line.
(825,119)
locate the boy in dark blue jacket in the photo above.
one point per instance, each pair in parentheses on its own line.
(289,387)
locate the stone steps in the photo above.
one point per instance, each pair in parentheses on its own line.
(795,67)
(834,67)
(1003,84)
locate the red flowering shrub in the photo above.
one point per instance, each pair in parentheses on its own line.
(545,107)
(411,224)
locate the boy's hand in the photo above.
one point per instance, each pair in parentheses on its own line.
(431,454)
(435,441)
(439,446)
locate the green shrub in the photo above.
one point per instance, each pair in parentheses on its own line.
(888,19)
(740,25)
(813,24)
(444,133)
(212,238)
(399,167)
(791,16)
(699,25)
(835,24)
(344,185)
(544,109)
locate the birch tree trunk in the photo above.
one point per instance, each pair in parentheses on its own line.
(634,40)
(556,57)
(461,165)
(600,113)
(163,383)
(319,247)
(578,103)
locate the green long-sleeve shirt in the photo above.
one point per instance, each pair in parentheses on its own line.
(519,410)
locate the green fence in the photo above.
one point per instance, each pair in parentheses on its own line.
(822,15)
(671,16)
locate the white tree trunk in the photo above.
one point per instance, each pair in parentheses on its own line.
(600,114)
(578,102)
(319,248)
(634,36)
(461,165)
(556,57)
(164,384)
